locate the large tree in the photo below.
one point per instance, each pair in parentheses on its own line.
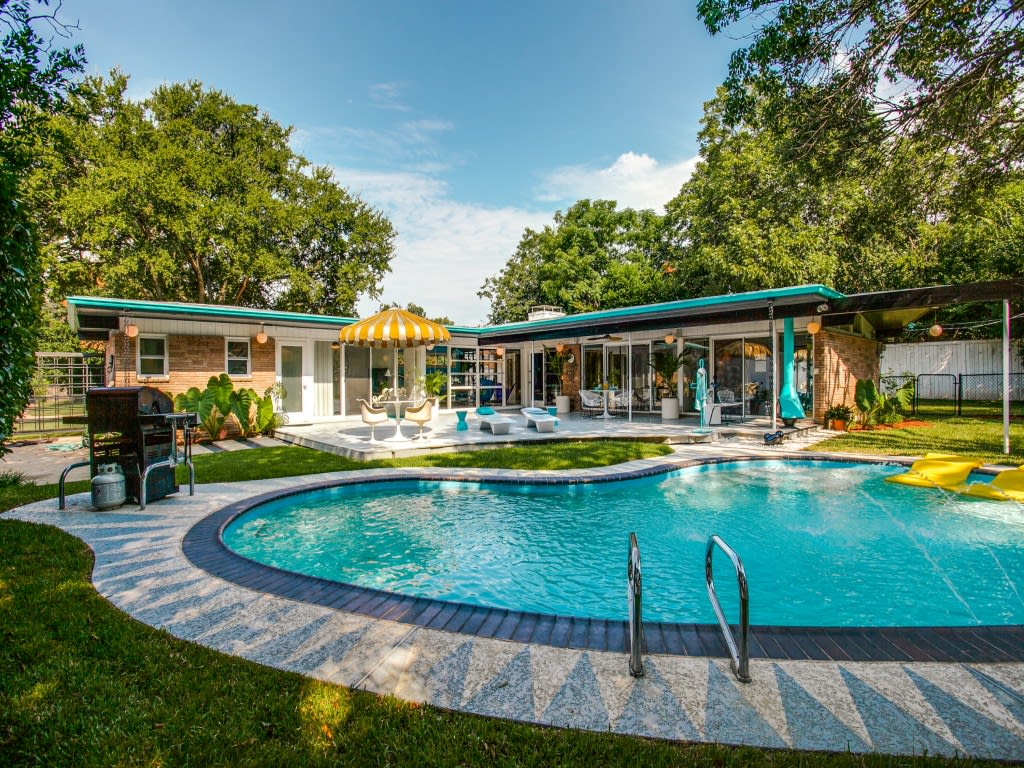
(754,215)
(33,81)
(190,196)
(942,71)
(595,256)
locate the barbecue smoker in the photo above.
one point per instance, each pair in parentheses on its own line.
(136,428)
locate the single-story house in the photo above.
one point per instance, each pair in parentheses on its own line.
(817,340)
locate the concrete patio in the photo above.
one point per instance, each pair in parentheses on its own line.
(350,437)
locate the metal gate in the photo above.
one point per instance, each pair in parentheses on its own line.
(59,384)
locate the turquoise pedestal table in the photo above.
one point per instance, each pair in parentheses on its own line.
(461,425)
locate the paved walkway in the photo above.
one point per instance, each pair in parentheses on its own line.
(893,707)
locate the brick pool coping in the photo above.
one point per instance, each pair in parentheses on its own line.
(203,547)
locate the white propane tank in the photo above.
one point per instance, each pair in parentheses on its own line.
(108,487)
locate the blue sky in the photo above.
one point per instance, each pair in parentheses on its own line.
(465,122)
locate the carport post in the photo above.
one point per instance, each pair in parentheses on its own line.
(1006,376)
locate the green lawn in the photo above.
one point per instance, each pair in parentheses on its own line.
(82,684)
(982,438)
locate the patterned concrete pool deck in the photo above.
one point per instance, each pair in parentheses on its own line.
(897,707)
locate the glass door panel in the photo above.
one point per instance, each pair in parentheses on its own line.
(593,366)
(641,382)
(695,350)
(513,376)
(326,386)
(357,377)
(758,379)
(291,378)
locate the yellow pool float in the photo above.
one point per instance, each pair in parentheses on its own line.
(938,470)
(1008,485)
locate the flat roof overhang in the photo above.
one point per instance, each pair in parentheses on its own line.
(891,311)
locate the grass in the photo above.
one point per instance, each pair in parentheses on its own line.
(81,684)
(84,685)
(286,461)
(291,461)
(961,435)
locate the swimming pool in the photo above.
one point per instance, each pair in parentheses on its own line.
(824,544)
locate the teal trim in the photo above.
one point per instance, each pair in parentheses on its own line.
(753,297)
(215,311)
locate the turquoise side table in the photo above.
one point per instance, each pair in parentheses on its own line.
(461,426)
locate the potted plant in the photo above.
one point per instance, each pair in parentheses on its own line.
(665,365)
(838,416)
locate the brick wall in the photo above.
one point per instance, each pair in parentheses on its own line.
(840,361)
(192,360)
(571,376)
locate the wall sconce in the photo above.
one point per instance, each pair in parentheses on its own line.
(559,347)
(935,331)
(261,337)
(670,339)
(813,327)
(499,351)
(131,330)
(335,345)
(429,347)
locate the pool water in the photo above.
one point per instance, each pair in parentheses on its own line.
(823,544)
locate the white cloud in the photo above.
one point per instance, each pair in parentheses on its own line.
(445,249)
(388,96)
(633,181)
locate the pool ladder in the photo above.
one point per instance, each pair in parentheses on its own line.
(740,656)
(634,594)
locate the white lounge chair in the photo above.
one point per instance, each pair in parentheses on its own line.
(495,422)
(539,419)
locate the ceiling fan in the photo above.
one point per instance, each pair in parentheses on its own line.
(606,337)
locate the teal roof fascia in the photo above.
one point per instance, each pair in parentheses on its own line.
(811,292)
(205,310)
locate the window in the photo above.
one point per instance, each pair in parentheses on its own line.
(237,363)
(152,356)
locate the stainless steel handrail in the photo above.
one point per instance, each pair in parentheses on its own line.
(61,504)
(634,593)
(740,656)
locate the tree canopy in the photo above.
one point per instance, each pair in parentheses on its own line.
(941,71)
(190,196)
(752,216)
(594,256)
(33,82)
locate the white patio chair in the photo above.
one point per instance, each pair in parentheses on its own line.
(372,416)
(420,414)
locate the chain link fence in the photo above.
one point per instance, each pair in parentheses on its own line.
(981,394)
(59,385)
(967,394)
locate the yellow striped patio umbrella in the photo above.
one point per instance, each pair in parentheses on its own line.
(394,328)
